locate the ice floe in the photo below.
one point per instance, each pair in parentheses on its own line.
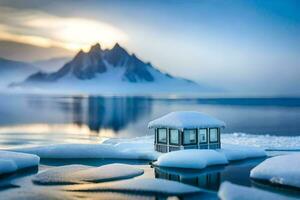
(282,170)
(158,186)
(191,158)
(240,152)
(270,142)
(201,158)
(142,149)
(75,151)
(229,191)
(13,161)
(71,174)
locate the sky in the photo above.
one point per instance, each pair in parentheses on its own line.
(242,46)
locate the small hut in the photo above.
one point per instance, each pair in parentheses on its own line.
(186,130)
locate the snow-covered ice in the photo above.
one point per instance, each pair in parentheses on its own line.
(141,148)
(109,151)
(70,174)
(239,152)
(158,186)
(264,141)
(282,170)
(229,191)
(201,158)
(13,161)
(191,158)
(186,119)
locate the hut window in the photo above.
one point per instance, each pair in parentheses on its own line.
(202,136)
(174,136)
(189,136)
(213,135)
(162,135)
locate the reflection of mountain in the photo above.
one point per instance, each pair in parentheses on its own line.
(109,113)
(115,113)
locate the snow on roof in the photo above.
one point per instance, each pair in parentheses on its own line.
(186,119)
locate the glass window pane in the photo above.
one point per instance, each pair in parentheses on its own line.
(202,136)
(162,135)
(189,137)
(213,135)
(174,136)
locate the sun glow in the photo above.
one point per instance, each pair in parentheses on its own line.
(42,29)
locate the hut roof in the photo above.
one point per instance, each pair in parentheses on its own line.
(186,119)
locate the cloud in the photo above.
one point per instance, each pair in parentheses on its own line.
(45,30)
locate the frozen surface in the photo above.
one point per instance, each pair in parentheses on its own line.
(142,148)
(159,186)
(70,174)
(125,150)
(186,119)
(229,191)
(283,170)
(263,141)
(191,158)
(239,152)
(13,161)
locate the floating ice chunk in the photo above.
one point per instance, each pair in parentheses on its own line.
(239,152)
(108,173)
(191,158)
(71,174)
(282,170)
(229,191)
(158,186)
(12,161)
(7,166)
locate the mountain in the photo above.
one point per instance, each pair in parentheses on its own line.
(51,65)
(14,71)
(113,71)
(28,53)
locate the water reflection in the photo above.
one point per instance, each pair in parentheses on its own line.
(98,113)
(212,177)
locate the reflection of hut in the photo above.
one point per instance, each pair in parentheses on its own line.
(209,181)
(186,130)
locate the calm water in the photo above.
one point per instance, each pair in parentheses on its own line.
(34,120)
(37,120)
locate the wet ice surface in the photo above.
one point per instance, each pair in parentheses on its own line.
(208,180)
(69,174)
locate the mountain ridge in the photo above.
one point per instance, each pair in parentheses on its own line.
(112,71)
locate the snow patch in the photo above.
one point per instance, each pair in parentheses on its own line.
(186,119)
(239,152)
(263,141)
(70,174)
(229,191)
(282,170)
(191,158)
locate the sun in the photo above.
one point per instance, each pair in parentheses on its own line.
(79,33)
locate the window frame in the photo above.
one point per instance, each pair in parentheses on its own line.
(217,136)
(206,135)
(158,141)
(183,135)
(170,141)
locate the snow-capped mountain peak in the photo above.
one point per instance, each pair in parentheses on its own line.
(109,70)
